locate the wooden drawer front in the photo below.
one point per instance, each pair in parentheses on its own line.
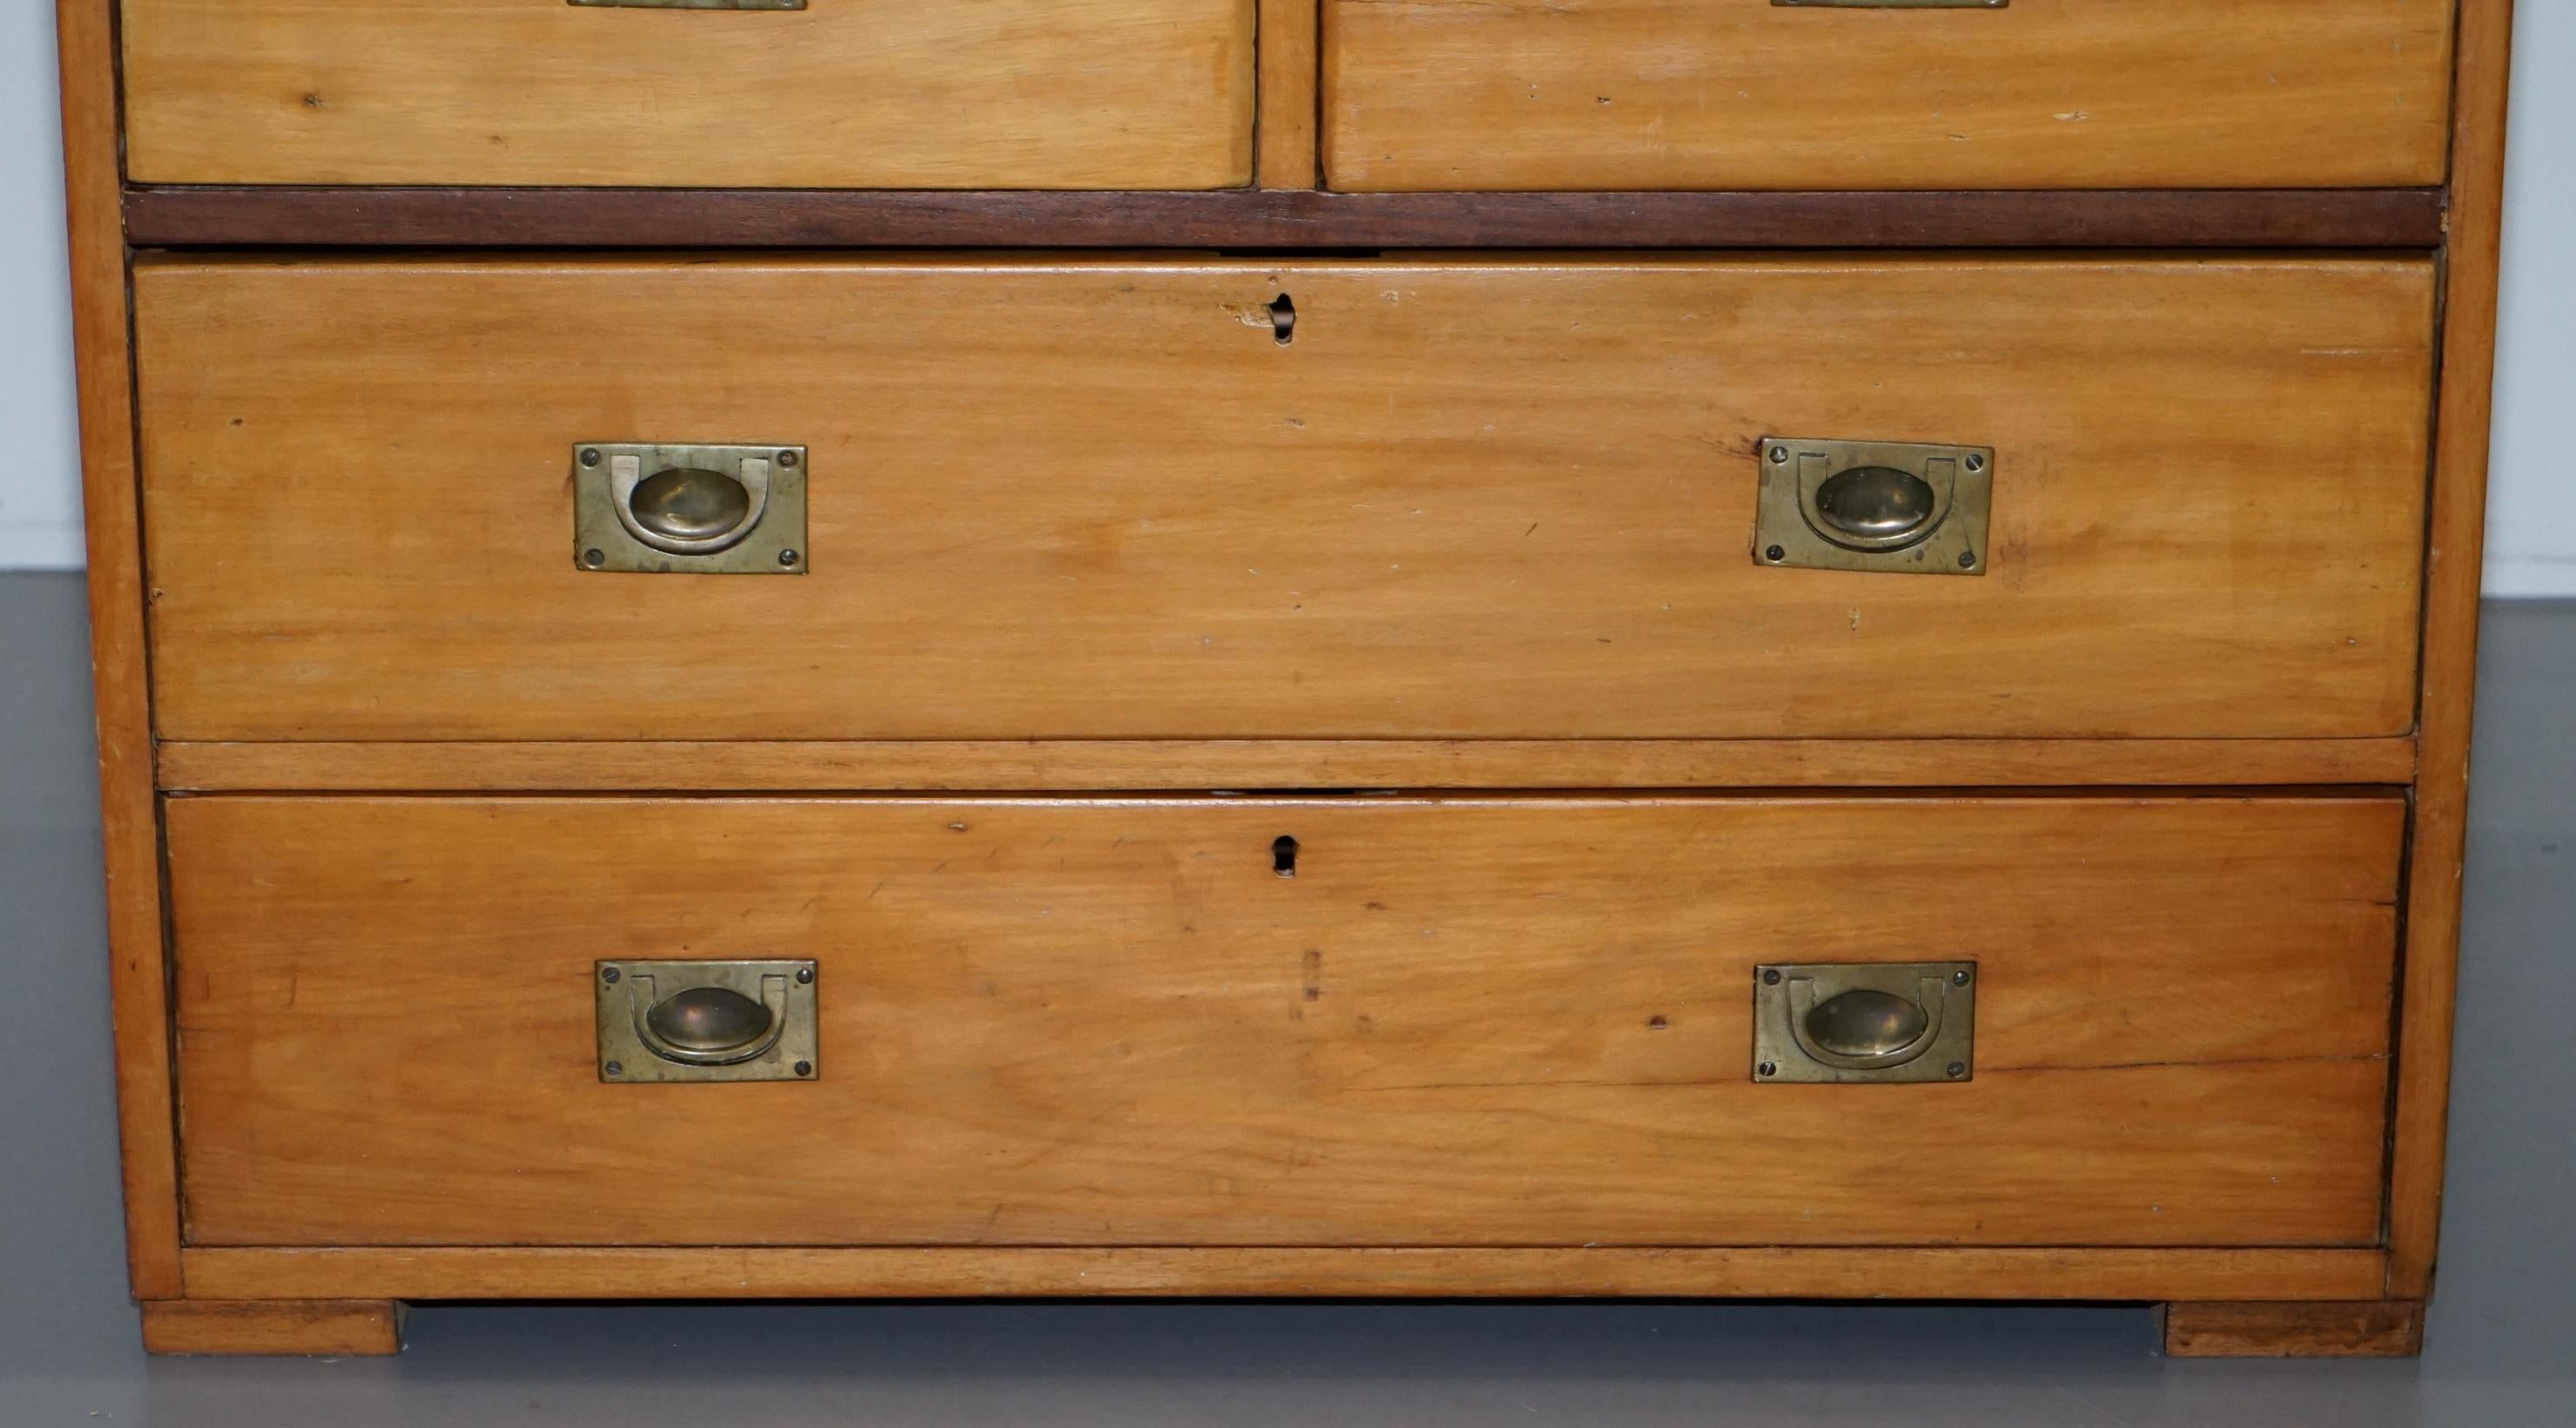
(1656,94)
(1479,1022)
(1509,499)
(845,93)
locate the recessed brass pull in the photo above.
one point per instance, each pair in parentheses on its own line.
(706,1021)
(714,510)
(1863,1028)
(1900,507)
(686,503)
(1907,1021)
(715,1026)
(689,510)
(1874,508)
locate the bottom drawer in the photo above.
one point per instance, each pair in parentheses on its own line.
(1284,1021)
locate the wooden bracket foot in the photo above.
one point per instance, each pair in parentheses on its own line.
(2370,1329)
(335,1328)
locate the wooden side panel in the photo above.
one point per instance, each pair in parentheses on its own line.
(1648,94)
(2367,1329)
(1286,138)
(336,1328)
(2452,574)
(1479,1022)
(880,94)
(1467,500)
(130,816)
(969,1272)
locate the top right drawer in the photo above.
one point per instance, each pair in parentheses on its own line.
(1885,94)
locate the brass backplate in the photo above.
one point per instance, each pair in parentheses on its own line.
(1788,530)
(604,542)
(628,993)
(1793,1043)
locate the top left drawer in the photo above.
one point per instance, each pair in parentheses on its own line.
(1055,94)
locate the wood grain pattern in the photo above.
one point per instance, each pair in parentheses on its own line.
(2455,546)
(1096,764)
(1285,154)
(1101,500)
(234,217)
(1105,1022)
(334,1328)
(981,1272)
(129,815)
(2374,1329)
(885,94)
(1535,94)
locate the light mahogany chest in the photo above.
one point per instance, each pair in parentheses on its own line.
(1694,648)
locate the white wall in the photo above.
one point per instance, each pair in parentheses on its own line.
(39,448)
(2531,545)
(2531,509)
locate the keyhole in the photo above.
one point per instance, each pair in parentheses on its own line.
(1283,325)
(1283,856)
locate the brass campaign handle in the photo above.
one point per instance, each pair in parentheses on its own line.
(1864,1022)
(689,508)
(1907,508)
(662,1021)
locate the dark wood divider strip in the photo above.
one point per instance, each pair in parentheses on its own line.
(183,217)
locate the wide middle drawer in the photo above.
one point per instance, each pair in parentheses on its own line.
(1342,499)
(1490,1021)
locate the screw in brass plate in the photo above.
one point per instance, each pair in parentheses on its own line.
(1976,462)
(1779,456)
(1771,976)
(1967,559)
(590,456)
(1958,1069)
(594,557)
(787,557)
(787,459)
(609,974)
(1958,979)
(804,1068)
(1775,553)
(614,1068)
(804,975)
(1766,1069)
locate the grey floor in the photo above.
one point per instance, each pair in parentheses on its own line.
(2498,1353)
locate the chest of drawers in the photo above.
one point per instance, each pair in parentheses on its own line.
(1184,647)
